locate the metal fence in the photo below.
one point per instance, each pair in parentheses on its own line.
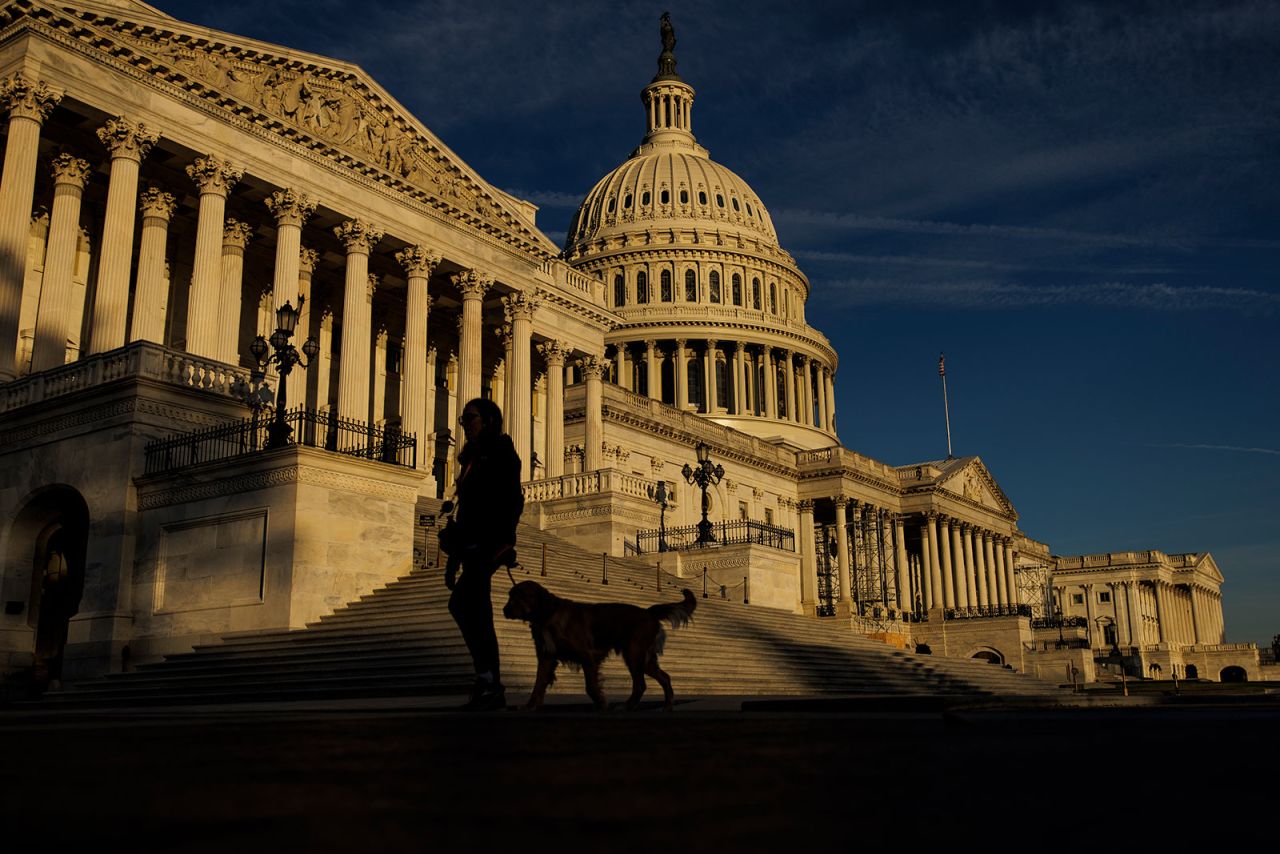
(309,428)
(723,534)
(987,611)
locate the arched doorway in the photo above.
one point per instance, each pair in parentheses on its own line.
(44,561)
(990,656)
(1192,672)
(1233,673)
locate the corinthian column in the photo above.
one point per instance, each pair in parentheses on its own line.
(680,372)
(712,389)
(970,566)
(592,367)
(980,568)
(808,558)
(770,385)
(291,210)
(902,581)
(789,379)
(842,552)
(1010,571)
(653,372)
(830,392)
(215,180)
(306,269)
(993,578)
(151,292)
(128,143)
(473,286)
(948,569)
(554,352)
(520,308)
(960,564)
(806,391)
(53,323)
(929,554)
(28,104)
(235,236)
(359,238)
(418,262)
(739,379)
(822,398)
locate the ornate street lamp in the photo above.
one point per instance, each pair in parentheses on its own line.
(284,358)
(660,495)
(703,476)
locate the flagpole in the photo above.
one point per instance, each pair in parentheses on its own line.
(946,409)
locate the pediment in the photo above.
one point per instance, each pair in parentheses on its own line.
(329,106)
(974,482)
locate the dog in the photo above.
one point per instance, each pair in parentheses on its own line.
(581,634)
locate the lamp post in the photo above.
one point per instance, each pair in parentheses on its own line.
(703,476)
(284,358)
(660,495)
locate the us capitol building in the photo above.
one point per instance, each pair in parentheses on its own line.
(170,193)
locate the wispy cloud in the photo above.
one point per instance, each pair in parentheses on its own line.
(549,198)
(1270,451)
(979,295)
(924,260)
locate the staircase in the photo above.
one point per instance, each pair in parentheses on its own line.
(400,640)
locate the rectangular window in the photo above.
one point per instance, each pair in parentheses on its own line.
(1077,598)
(743,513)
(1104,596)
(768,515)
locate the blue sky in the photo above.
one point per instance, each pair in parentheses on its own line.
(1076,201)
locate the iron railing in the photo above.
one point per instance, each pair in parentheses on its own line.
(723,534)
(310,429)
(983,611)
(1059,622)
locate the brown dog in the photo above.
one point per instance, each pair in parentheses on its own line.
(581,634)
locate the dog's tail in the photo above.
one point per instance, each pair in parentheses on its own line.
(676,613)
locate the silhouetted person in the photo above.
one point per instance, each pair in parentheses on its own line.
(489,504)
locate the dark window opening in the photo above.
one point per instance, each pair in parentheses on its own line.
(690,286)
(642,287)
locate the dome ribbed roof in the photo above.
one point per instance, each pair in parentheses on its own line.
(658,189)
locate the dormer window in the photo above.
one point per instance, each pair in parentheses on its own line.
(684,197)
(735,204)
(644,199)
(719,200)
(664,197)
(702,198)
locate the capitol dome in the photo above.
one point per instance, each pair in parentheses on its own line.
(710,308)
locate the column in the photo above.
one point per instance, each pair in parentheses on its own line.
(592,367)
(291,210)
(235,236)
(521,306)
(1136,634)
(1164,615)
(306,269)
(1091,616)
(680,370)
(903,579)
(359,238)
(831,400)
(842,551)
(473,286)
(28,103)
(980,568)
(808,558)
(554,352)
(934,590)
(151,293)
(415,386)
(960,563)
(1122,629)
(653,371)
(378,370)
(989,562)
(711,386)
(770,385)
(739,379)
(215,179)
(324,360)
(427,441)
(822,399)
(997,551)
(947,567)
(619,363)
(806,382)
(53,322)
(128,143)
(789,381)
(1196,630)
(1011,572)
(452,409)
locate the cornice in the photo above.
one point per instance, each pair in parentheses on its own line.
(728,332)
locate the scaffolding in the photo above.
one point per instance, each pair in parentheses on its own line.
(874,558)
(1033,588)
(824,538)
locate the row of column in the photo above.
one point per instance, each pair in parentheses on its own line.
(1159,611)
(807,395)
(885,526)
(967,565)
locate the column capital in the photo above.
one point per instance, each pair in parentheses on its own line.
(213,176)
(473,284)
(840,500)
(127,139)
(69,169)
(358,236)
(418,260)
(554,352)
(650,344)
(155,202)
(372,285)
(307,259)
(290,207)
(592,367)
(520,305)
(740,347)
(26,98)
(236,233)
(935,516)
(504,334)
(804,360)
(712,344)
(805,505)
(681,342)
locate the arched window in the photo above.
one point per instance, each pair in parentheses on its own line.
(612,204)
(780,393)
(737,289)
(693,376)
(644,199)
(684,197)
(642,287)
(736,206)
(664,285)
(719,200)
(619,291)
(664,197)
(755,294)
(690,286)
(702,197)
(714,289)
(773,297)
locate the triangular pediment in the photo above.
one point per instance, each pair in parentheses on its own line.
(328,106)
(972,481)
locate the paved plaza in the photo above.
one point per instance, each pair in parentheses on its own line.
(720,774)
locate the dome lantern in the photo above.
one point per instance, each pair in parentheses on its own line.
(668,100)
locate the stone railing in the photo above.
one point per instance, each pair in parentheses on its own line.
(571,280)
(847,459)
(1128,559)
(139,360)
(588,483)
(1224,647)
